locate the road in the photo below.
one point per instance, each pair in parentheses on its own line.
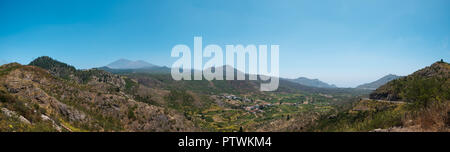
(386,101)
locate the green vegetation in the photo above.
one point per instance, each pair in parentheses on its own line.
(31,113)
(130,85)
(377,115)
(179,99)
(63,70)
(131,114)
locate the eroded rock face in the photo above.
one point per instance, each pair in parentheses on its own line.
(25,84)
(69,112)
(55,125)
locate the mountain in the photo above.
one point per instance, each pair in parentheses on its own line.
(312,82)
(68,72)
(128,64)
(53,66)
(427,84)
(374,85)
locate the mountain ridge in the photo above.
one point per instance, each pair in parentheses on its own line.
(128,64)
(47,95)
(377,83)
(312,82)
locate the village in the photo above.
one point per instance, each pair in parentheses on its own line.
(259,105)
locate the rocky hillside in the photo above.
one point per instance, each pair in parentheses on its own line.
(415,103)
(429,83)
(374,85)
(49,95)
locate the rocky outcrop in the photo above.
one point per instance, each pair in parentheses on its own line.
(13,114)
(55,125)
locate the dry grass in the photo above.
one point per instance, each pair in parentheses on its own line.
(435,117)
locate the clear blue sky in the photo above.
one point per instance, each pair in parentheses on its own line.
(343,42)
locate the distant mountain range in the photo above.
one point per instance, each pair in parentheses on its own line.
(128,64)
(374,85)
(312,82)
(153,70)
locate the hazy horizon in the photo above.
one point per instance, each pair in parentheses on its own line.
(346,43)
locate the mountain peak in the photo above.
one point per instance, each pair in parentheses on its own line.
(124,60)
(375,84)
(390,75)
(128,64)
(439,68)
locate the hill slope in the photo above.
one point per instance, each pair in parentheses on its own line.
(417,102)
(34,99)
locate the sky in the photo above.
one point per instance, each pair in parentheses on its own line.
(341,42)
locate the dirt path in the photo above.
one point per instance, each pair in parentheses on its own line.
(387,101)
